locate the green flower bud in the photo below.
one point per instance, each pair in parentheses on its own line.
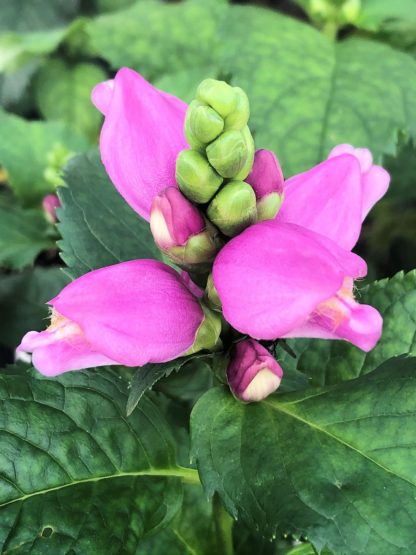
(246,169)
(240,115)
(269,206)
(208,333)
(196,178)
(219,95)
(212,294)
(204,122)
(233,208)
(190,137)
(230,153)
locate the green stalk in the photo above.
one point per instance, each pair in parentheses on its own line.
(224,527)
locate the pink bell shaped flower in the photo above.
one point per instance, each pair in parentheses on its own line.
(180,230)
(267,180)
(130,313)
(142,135)
(49,204)
(253,374)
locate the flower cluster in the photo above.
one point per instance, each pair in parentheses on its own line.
(268,258)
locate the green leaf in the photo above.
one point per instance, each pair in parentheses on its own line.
(376,15)
(301,105)
(24,149)
(329,362)
(22,301)
(36,15)
(63,92)
(97,226)
(77,476)
(155,36)
(23,235)
(335,464)
(192,531)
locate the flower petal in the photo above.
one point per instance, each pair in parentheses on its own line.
(327,199)
(53,355)
(101,95)
(274,274)
(141,138)
(134,312)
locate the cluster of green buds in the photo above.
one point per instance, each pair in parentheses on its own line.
(213,170)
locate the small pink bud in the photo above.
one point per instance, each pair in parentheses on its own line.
(180,230)
(266,178)
(253,374)
(49,204)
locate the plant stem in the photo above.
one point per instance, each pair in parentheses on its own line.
(330,29)
(224,527)
(188,475)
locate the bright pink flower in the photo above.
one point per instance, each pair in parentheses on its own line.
(141,137)
(130,313)
(174,219)
(253,374)
(266,176)
(49,204)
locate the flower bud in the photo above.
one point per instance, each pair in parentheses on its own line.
(266,178)
(231,152)
(219,95)
(204,122)
(238,118)
(253,374)
(208,333)
(246,169)
(196,178)
(233,208)
(49,205)
(180,230)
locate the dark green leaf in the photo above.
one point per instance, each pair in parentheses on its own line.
(24,149)
(331,361)
(77,476)
(336,464)
(35,15)
(97,226)
(63,92)
(23,235)
(22,301)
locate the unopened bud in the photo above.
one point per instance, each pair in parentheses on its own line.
(233,208)
(204,122)
(180,230)
(230,153)
(196,178)
(208,333)
(246,169)
(239,116)
(212,293)
(253,374)
(49,204)
(350,10)
(267,181)
(219,95)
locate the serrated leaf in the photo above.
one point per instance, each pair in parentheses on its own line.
(336,464)
(23,235)
(35,15)
(24,149)
(22,301)
(76,475)
(301,106)
(328,362)
(98,227)
(63,92)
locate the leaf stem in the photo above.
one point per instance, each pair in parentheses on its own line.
(224,527)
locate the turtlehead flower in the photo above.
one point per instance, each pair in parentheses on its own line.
(266,178)
(130,313)
(180,230)
(290,275)
(49,204)
(253,374)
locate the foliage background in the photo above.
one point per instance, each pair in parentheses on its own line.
(317,73)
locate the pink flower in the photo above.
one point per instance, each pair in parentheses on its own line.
(130,313)
(49,204)
(267,181)
(252,373)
